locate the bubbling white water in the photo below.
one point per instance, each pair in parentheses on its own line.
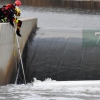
(52,90)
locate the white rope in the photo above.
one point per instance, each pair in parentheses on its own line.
(20,56)
(17,76)
(15,57)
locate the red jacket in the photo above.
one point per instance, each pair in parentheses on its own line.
(9,6)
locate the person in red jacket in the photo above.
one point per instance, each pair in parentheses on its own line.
(7,13)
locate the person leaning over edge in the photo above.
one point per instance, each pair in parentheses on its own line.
(9,12)
(8,6)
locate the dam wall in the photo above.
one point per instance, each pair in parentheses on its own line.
(9,55)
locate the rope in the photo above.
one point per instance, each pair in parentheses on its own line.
(15,56)
(20,56)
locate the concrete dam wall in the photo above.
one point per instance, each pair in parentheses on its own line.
(8,47)
(63,54)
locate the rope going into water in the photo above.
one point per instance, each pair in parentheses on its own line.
(20,56)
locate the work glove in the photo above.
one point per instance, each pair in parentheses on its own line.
(2,20)
(18,32)
(5,19)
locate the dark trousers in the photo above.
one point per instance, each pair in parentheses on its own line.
(1,14)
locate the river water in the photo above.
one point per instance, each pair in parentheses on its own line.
(56,18)
(63,18)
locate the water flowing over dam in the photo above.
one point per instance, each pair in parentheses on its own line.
(57,51)
(62,54)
